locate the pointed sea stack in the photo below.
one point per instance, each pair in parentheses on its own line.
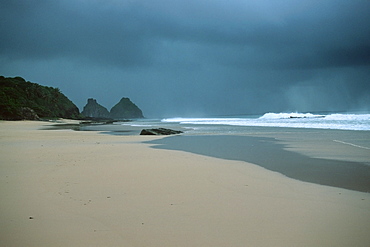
(94,110)
(125,109)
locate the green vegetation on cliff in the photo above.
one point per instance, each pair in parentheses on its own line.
(20,99)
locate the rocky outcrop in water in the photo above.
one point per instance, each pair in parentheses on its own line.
(125,109)
(94,110)
(160,131)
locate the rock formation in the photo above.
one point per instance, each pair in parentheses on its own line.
(125,109)
(160,131)
(28,114)
(94,110)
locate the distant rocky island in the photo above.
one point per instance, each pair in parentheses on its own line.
(24,100)
(124,109)
(94,110)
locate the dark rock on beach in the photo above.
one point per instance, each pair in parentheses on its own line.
(160,131)
(27,113)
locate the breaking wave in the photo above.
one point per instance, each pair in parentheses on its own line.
(289,115)
(290,120)
(349,117)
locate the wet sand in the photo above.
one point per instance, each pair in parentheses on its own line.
(68,188)
(350,171)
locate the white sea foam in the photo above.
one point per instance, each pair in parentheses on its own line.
(292,120)
(271,115)
(141,125)
(349,117)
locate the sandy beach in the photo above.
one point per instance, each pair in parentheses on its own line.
(84,188)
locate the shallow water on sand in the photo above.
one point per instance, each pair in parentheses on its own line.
(271,154)
(339,158)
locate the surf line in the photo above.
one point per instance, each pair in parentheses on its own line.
(351,144)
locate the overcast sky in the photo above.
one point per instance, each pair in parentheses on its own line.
(194,57)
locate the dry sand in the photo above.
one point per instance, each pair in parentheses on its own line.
(68,188)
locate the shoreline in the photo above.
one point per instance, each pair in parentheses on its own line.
(68,188)
(268,153)
(346,165)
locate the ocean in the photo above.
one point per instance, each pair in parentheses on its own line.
(291,120)
(240,124)
(328,149)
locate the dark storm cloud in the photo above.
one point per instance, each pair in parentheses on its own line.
(226,57)
(133,31)
(44,29)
